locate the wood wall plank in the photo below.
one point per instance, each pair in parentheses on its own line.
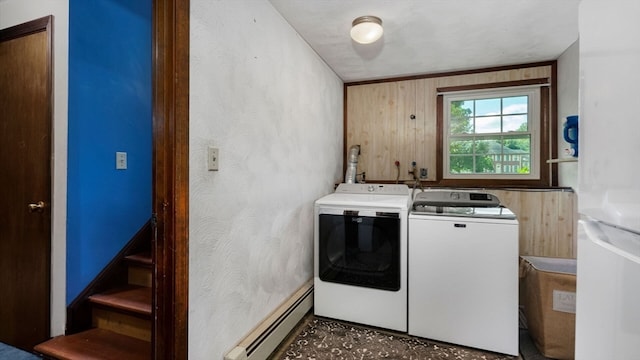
(407,136)
(547,220)
(371,113)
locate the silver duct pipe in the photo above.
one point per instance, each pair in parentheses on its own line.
(352,165)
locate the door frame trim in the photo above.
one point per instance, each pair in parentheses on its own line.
(171,177)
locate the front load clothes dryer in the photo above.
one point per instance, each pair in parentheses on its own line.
(360,255)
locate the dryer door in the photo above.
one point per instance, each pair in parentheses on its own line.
(360,248)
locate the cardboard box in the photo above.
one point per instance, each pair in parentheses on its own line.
(550,304)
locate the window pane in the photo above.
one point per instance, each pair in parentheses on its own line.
(489,124)
(515,105)
(514,164)
(460,125)
(488,146)
(484,165)
(460,122)
(520,143)
(461,147)
(486,150)
(517,152)
(461,164)
(514,123)
(467,106)
(487,107)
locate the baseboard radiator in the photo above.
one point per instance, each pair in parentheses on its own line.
(266,337)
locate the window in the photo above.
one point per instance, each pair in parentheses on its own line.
(492,134)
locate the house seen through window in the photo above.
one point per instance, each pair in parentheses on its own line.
(491,134)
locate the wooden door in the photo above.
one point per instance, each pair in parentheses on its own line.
(25,183)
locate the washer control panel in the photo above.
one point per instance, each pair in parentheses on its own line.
(455,199)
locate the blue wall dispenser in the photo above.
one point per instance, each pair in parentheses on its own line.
(570,135)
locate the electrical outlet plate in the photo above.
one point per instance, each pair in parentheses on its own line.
(212,158)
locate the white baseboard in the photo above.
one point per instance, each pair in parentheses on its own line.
(266,337)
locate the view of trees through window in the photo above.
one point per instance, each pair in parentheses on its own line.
(489,136)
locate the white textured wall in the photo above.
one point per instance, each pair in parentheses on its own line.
(14,12)
(568,84)
(274,109)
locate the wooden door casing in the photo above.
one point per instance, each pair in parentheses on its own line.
(171,177)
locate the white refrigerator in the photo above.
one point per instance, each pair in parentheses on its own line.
(608,279)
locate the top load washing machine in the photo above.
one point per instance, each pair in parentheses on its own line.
(463,270)
(360,255)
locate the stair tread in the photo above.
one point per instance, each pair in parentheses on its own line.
(143,259)
(136,299)
(95,344)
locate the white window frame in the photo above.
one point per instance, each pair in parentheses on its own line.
(534,127)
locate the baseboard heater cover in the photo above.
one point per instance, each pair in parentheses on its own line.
(266,337)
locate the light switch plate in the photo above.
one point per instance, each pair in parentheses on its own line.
(121,160)
(212,158)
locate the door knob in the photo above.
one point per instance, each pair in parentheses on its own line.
(37,207)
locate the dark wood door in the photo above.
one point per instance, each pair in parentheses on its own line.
(25,183)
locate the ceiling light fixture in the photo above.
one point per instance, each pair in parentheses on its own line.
(366,29)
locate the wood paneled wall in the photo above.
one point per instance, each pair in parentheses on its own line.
(547,218)
(379,119)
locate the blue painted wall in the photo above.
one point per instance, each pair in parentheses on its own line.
(109,111)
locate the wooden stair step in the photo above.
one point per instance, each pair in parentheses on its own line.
(95,344)
(140,269)
(133,299)
(122,323)
(141,259)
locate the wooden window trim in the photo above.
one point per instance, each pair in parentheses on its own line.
(545,148)
(496,85)
(551,63)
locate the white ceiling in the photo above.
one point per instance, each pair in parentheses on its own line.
(430,36)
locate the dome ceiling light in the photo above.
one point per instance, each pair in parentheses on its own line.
(366,29)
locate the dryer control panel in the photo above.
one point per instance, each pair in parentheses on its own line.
(381,189)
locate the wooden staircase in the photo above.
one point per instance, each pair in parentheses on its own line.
(121,320)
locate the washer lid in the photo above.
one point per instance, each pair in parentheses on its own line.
(385,196)
(461,204)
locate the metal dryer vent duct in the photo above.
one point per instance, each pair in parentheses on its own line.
(352,165)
